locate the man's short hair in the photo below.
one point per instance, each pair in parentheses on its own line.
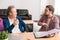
(51,8)
(10,7)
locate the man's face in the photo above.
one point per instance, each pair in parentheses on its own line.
(47,12)
(13,12)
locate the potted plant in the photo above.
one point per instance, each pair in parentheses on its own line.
(3,35)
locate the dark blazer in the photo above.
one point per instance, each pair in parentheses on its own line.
(9,27)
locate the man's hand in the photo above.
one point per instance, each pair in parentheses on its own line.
(45,24)
(16,22)
(51,35)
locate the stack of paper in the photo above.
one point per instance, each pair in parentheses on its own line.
(42,34)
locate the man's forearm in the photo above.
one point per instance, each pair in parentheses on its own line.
(10,28)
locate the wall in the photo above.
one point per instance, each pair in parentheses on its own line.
(31,5)
(35,7)
(43,4)
(57,7)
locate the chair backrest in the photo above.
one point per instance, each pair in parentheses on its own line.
(1,24)
(59,19)
(22,12)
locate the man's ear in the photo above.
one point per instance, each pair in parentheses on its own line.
(10,13)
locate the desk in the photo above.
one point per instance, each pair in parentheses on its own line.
(30,36)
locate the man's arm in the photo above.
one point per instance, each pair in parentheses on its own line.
(7,26)
(56,24)
(22,24)
(41,22)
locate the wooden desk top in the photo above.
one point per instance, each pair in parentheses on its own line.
(30,36)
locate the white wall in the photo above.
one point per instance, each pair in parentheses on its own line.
(35,7)
(57,7)
(43,4)
(31,5)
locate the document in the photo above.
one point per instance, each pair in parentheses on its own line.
(46,33)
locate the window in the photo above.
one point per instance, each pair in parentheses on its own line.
(57,7)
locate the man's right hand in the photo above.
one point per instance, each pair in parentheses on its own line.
(45,24)
(16,22)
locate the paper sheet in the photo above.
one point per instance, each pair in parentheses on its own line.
(42,34)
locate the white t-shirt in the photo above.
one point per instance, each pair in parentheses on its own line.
(16,28)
